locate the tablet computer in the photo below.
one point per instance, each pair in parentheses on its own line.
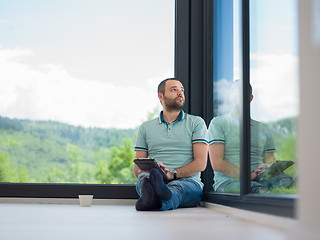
(149,163)
(275,168)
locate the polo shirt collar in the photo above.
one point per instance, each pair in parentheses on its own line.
(179,118)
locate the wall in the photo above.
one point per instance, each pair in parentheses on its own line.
(308,208)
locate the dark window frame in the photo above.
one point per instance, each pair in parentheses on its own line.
(47,190)
(194,66)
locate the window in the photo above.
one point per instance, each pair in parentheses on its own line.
(253,138)
(226,92)
(77,79)
(212,52)
(274,79)
(219,82)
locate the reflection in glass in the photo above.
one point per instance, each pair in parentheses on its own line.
(224,129)
(224,133)
(274,78)
(274,102)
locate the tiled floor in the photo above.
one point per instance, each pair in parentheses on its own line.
(58,221)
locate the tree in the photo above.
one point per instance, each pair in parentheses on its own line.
(5,171)
(119,169)
(9,174)
(78,171)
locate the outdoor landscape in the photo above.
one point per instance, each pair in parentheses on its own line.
(54,152)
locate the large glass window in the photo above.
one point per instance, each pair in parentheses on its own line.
(77,79)
(273,92)
(228,62)
(274,81)
(224,128)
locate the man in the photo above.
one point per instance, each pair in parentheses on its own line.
(178,142)
(224,150)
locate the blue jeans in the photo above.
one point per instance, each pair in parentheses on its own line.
(185,193)
(233,184)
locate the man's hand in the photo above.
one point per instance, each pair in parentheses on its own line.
(256,172)
(166,171)
(136,170)
(162,166)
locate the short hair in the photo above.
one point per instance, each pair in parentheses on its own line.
(162,85)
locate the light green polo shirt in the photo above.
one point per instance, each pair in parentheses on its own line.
(172,144)
(226,129)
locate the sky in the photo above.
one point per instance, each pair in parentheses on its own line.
(98,63)
(274,58)
(91,63)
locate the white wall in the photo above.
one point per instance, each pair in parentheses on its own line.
(308,209)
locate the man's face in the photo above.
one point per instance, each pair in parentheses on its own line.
(173,97)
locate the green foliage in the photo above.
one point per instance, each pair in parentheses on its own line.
(102,173)
(10,124)
(5,170)
(20,175)
(9,174)
(152,114)
(282,190)
(119,169)
(53,152)
(284,135)
(55,175)
(77,171)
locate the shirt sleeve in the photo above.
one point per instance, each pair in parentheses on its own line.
(141,143)
(200,133)
(216,133)
(269,146)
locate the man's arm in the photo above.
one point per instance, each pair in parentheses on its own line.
(200,153)
(216,153)
(139,154)
(269,157)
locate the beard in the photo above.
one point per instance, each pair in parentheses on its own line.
(173,104)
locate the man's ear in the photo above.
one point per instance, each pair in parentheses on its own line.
(160,96)
(251,98)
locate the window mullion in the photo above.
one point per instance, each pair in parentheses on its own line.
(245,113)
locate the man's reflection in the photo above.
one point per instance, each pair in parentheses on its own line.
(224,150)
